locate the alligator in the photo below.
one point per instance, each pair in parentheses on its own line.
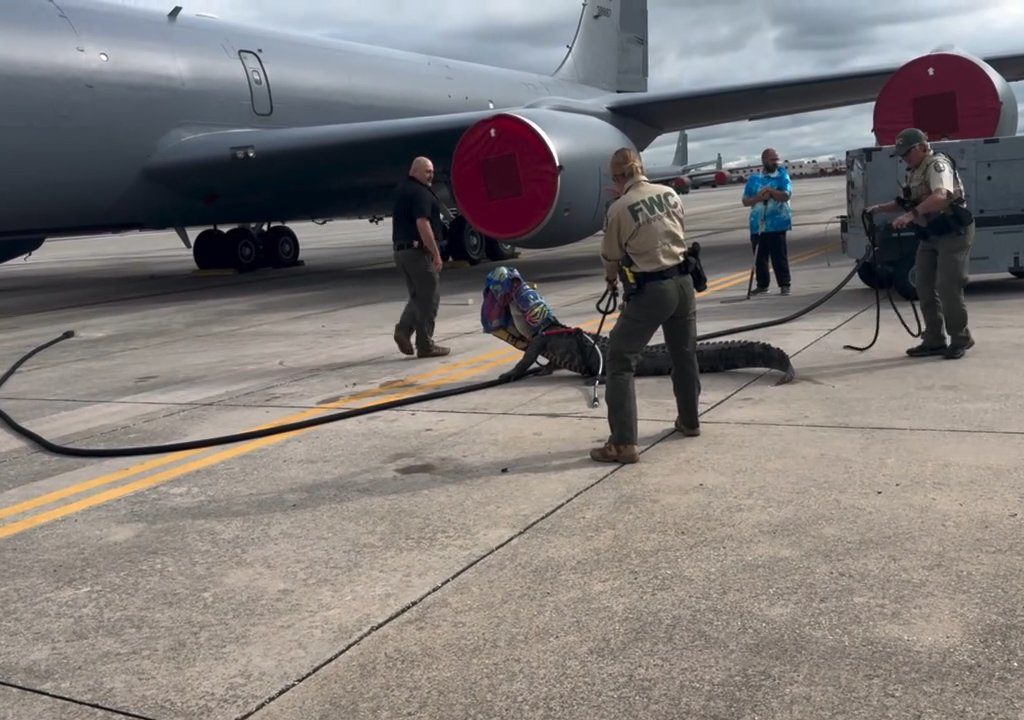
(515,312)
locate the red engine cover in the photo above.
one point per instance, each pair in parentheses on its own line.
(947,95)
(505,176)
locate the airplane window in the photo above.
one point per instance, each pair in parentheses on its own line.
(104,57)
(256,77)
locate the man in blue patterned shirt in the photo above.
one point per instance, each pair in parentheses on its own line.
(767,195)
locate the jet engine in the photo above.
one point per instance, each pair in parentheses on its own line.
(722,177)
(950,95)
(536,177)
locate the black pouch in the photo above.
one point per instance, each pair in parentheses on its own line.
(962,215)
(695,268)
(941,225)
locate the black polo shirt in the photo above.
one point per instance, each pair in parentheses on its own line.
(414,200)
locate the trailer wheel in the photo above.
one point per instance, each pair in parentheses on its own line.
(869,274)
(904,278)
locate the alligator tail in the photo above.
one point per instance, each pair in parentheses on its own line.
(737,354)
(721,356)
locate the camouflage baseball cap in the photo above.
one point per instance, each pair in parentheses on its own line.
(906,140)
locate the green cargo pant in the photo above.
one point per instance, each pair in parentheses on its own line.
(671,305)
(424,296)
(941,268)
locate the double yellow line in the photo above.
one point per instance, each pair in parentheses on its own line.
(22,516)
(413,385)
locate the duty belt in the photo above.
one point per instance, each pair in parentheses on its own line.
(407,245)
(680,269)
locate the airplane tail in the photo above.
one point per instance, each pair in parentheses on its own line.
(682,157)
(610,47)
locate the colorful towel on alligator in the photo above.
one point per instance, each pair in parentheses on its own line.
(515,312)
(510,303)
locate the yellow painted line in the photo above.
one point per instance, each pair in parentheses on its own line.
(110,478)
(120,491)
(739,278)
(94,483)
(434,378)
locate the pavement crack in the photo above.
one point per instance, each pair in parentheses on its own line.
(432,591)
(74,701)
(884,428)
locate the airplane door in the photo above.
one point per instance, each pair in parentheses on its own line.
(259,84)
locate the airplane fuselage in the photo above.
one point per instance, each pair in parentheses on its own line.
(91,92)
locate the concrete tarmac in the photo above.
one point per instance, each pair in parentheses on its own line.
(849,545)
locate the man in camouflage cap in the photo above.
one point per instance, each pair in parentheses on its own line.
(945,231)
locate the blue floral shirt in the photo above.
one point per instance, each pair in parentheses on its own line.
(772,216)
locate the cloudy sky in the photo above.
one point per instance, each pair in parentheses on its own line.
(693,44)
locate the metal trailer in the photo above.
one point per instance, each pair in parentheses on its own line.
(992,172)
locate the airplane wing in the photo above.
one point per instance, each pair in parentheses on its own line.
(343,155)
(670,111)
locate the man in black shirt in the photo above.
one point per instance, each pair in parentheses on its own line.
(415,222)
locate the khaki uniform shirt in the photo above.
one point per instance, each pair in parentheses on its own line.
(647,223)
(934,172)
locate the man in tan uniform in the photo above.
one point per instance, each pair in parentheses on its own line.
(945,231)
(644,241)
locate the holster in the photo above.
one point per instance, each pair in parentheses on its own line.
(631,284)
(955,220)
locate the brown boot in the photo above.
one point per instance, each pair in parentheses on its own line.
(611,452)
(403,341)
(432,351)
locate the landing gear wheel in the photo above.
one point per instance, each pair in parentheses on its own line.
(243,250)
(466,242)
(208,249)
(1019,274)
(280,246)
(497,250)
(904,278)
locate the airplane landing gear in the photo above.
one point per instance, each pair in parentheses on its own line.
(241,245)
(467,243)
(246,248)
(208,248)
(280,246)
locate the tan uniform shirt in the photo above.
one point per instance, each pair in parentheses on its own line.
(646,222)
(934,172)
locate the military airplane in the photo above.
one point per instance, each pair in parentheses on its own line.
(682,174)
(118,119)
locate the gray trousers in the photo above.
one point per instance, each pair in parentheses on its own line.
(671,305)
(423,284)
(941,268)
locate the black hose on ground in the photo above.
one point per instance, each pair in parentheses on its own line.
(53,447)
(606,306)
(869,254)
